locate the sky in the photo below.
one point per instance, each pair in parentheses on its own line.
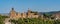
(34,5)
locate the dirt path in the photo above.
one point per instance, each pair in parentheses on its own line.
(7,21)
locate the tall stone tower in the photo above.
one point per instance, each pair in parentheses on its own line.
(12,13)
(29,13)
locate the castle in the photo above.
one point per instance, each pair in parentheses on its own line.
(28,14)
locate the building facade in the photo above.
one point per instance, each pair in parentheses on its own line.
(28,14)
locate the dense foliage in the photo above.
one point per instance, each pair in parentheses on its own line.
(35,21)
(30,21)
(2,18)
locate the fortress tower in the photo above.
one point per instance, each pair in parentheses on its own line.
(29,13)
(12,13)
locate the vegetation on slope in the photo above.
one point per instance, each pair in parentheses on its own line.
(2,18)
(35,21)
